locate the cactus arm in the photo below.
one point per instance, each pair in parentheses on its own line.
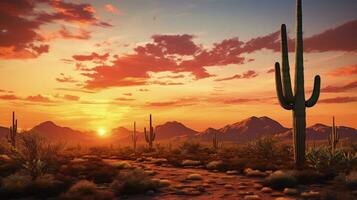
(146,136)
(288,93)
(279,89)
(315,93)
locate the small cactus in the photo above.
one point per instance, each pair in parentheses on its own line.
(13,132)
(334,137)
(215,142)
(134,138)
(151,136)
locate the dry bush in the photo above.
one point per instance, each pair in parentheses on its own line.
(86,190)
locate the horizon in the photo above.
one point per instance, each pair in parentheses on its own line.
(93,65)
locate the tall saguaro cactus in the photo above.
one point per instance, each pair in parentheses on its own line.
(134,138)
(334,137)
(295,101)
(13,131)
(150,137)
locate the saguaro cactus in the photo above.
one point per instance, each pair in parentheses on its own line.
(215,141)
(151,136)
(295,101)
(334,137)
(134,138)
(13,131)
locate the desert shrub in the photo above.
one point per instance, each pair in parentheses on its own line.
(93,170)
(7,166)
(326,160)
(351,180)
(336,195)
(36,155)
(87,190)
(191,147)
(133,181)
(215,165)
(280,180)
(309,176)
(47,186)
(16,185)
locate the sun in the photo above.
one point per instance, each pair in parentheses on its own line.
(101,132)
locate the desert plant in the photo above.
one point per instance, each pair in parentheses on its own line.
(134,138)
(151,136)
(133,182)
(15,185)
(215,142)
(295,102)
(84,189)
(334,137)
(36,155)
(13,132)
(280,180)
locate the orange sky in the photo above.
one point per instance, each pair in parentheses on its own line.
(92,64)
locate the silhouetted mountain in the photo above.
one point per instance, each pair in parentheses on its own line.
(321,132)
(53,132)
(173,129)
(209,133)
(251,128)
(121,132)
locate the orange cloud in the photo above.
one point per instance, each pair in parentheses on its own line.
(344,71)
(337,89)
(66,79)
(339,100)
(110,8)
(246,75)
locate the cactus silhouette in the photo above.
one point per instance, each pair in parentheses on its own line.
(134,138)
(215,141)
(13,131)
(151,136)
(295,101)
(334,137)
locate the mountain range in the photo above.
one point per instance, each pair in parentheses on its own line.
(240,132)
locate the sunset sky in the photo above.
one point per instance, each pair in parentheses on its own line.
(205,63)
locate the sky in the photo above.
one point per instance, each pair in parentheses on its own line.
(205,63)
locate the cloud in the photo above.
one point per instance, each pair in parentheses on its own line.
(111,9)
(341,38)
(144,90)
(80,35)
(240,100)
(9,97)
(38,98)
(70,97)
(337,89)
(91,57)
(246,75)
(272,70)
(344,71)
(339,100)
(66,79)
(128,94)
(21,22)
(124,99)
(174,103)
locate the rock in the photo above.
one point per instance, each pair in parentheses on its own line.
(232,172)
(150,192)
(257,186)
(242,187)
(214,164)
(194,177)
(266,190)
(121,165)
(158,160)
(180,192)
(254,173)
(276,194)
(201,188)
(283,198)
(310,194)
(228,186)
(190,163)
(252,197)
(242,193)
(164,183)
(150,172)
(291,191)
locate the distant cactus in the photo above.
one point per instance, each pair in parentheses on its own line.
(13,131)
(134,138)
(295,102)
(334,137)
(215,142)
(151,136)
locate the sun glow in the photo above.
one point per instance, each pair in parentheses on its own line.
(101,132)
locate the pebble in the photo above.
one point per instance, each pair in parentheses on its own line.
(228,186)
(232,172)
(266,190)
(252,197)
(291,191)
(310,194)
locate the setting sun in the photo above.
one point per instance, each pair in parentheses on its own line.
(101,132)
